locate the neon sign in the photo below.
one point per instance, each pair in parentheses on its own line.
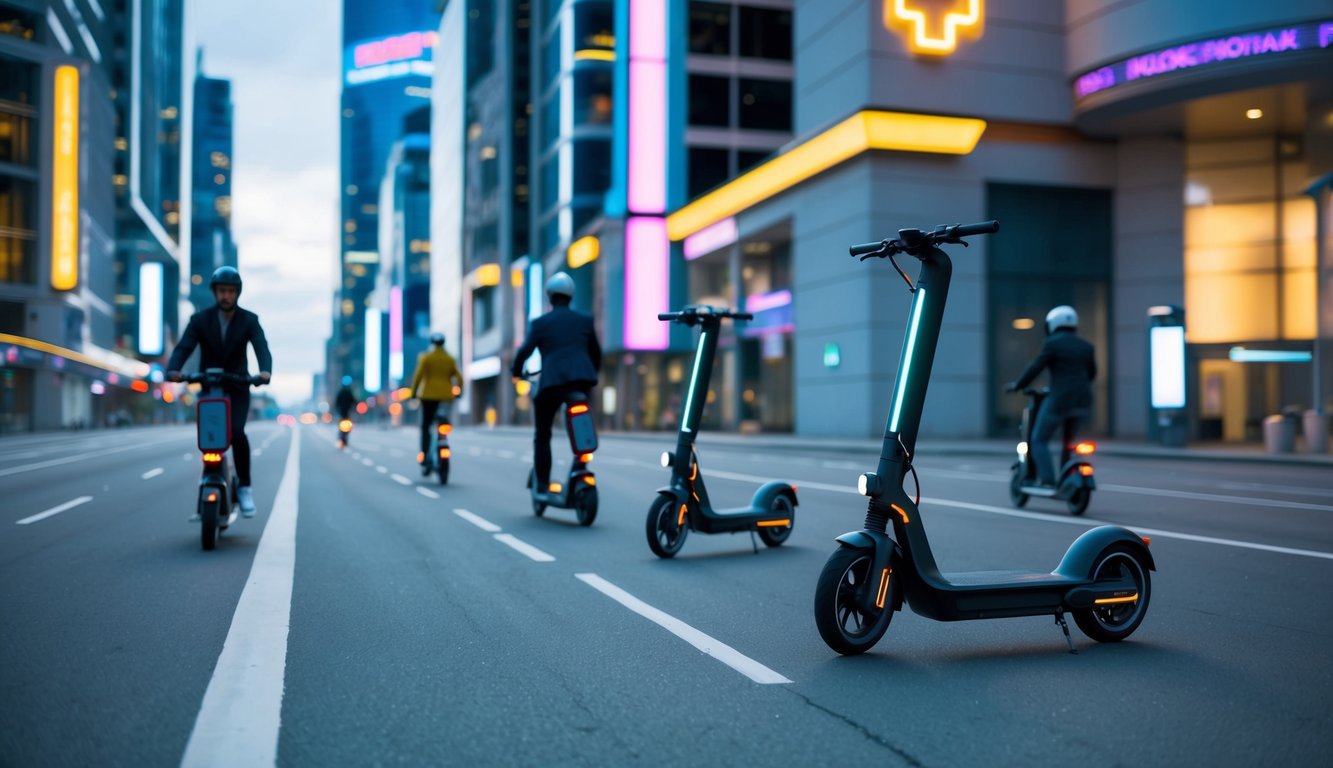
(390,57)
(1203,53)
(929,31)
(65,181)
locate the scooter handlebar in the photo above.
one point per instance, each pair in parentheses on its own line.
(203,377)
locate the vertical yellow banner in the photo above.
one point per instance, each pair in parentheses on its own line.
(65,181)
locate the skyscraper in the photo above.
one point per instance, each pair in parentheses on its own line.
(387,67)
(211,244)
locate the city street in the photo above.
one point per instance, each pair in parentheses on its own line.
(438,625)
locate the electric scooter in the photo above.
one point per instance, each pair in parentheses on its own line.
(1103,579)
(216,504)
(344,432)
(683,505)
(579,491)
(437,460)
(1075,484)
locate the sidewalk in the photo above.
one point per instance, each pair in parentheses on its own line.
(863,446)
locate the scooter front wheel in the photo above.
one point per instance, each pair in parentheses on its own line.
(849,613)
(1114,622)
(1016,477)
(666,528)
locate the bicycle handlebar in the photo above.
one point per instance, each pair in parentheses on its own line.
(914,241)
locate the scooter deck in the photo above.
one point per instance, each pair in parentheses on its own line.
(1000,579)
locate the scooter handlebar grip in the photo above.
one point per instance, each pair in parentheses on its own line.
(864,248)
(980,228)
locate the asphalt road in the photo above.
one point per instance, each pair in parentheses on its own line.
(369,616)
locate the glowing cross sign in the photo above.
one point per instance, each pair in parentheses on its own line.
(933,26)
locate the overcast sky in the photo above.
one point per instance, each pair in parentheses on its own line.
(284,61)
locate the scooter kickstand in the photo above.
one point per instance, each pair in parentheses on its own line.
(1060,619)
(754,543)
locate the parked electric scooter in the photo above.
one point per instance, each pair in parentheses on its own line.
(683,505)
(216,502)
(579,491)
(1103,579)
(1074,483)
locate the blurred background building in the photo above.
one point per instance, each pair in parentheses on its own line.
(211,244)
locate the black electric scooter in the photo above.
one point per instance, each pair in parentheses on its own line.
(1075,482)
(344,432)
(437,460)
(1103,579)
(579,491)
(216,502)
(684,506)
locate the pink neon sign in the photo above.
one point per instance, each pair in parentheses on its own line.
(647,254)
(647,107)
(412,45)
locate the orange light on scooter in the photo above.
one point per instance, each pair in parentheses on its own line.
(420,457)
(590,480)
(575,410)
(902,512)
(212,458)
(1085,470)
(444,429)
(773,523)
(444,453)
(1085,449)
(556,487)
(345,425)
(585,457)
(1113,600)
(211,497)
(883,588)
(681,519)
(1146,541)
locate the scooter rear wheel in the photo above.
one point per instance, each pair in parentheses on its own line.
(208,524)
(585,506)
(1016,477)
(443,471)
(774,535)
(1113,623)
(666,534)
(845,602)
(1078,502)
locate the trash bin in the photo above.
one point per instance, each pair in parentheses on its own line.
(1316,431)
(1279,434)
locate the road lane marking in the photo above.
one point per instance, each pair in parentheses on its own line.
(369,462)
(80,457)
(708,645)
(152,473)
(241,713)
(477,520)
(383,470)
(428,493)
(397,478)
(524,547)
(55,510)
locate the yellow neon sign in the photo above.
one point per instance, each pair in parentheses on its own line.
(486,275)
(585,250)
(862,132)
(926,30)
(65,181)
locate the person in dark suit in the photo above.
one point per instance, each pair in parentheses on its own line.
(1072,364)
(221,333)
(571,359)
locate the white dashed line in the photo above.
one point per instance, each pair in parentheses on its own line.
(428,493)
(55,510)
(523,547)
(397,478)
(152,473)
(480,522)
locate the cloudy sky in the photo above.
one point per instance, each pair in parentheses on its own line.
(283,59)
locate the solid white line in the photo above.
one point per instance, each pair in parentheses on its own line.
(708,645)
(152,473)
(55,510)
(239,719)
(81,457)
(524,547)
(397,478)
(477,520)
(428,493)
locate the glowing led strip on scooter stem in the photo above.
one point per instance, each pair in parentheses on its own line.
(900,392)
(694,378)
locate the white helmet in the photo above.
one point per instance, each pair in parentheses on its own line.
(560,283)
(1062,316)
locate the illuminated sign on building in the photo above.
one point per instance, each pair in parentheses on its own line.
(390,57)
(933,27)
(1204,53)
(152,304)
(65,181)
(647,250)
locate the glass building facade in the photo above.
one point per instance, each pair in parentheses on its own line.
(211,244)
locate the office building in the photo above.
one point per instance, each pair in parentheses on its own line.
(211,243)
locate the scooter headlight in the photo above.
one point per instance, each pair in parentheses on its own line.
(1022,449)
(868,484)
(667,459)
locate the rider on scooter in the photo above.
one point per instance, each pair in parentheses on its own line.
(1073,365)
(346,399)
(221,333)
(436,383)
(571,360)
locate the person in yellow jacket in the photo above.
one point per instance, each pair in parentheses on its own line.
(436,383)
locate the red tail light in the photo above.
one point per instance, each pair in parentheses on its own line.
(577,409)
(212,458)
(585,457)
(1085,449)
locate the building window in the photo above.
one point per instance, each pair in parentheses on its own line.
(592,96)
(707,169)
(765,33)
(765,105)
(710,101)
(710,28)
(594,26)
(18,23)
(747,159)
(18,238)
(592,166)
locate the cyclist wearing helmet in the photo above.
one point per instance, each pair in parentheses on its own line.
(571,359)
(346,399)
(221,333)
(1073,365)
(436,383)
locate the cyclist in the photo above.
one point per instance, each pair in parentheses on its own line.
(1073,365)
(571,359)
(221,333)
(436,383)
(345,400)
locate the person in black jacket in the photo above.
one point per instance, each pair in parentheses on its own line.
(571,359)
(345,400)
(221,333)
(1073,365)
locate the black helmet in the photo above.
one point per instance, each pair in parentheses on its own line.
(225,276)
(437,339)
